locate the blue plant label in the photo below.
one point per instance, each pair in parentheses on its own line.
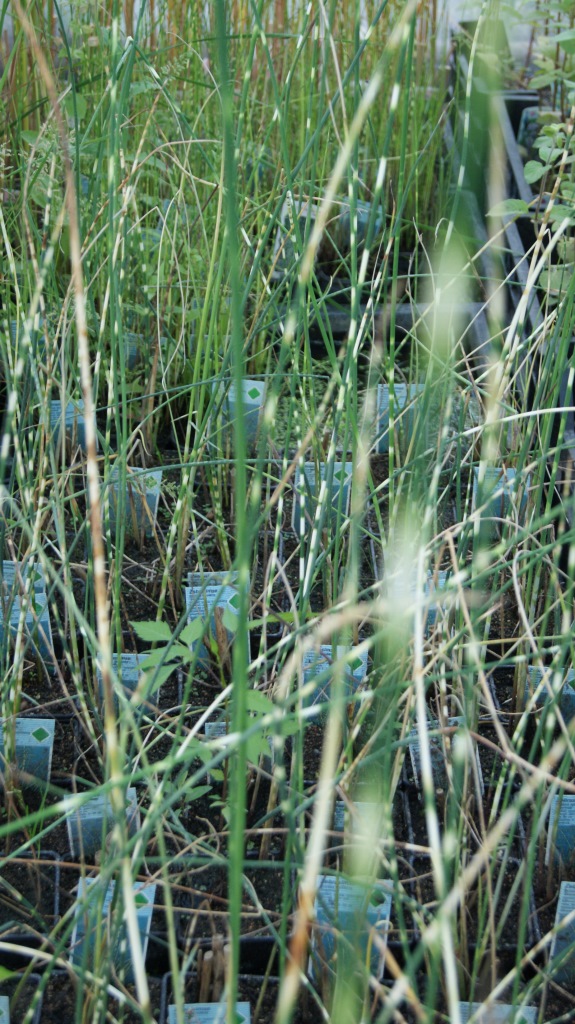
(499,496)
(565,690)
(339,816)
(96,918)
(227,577)
(358,913)
(4,1010)
(437,755)
(89,824)
(434,586)
(318,665)
(38,629)
(34,742)
(14,574)
(562,952)
(74,423)
(141,500)
(497,1013)
(202,602)
(404,418)
(308,485)
(253,397)
(210,1013)
(561,830)
(127,668)
(215,730)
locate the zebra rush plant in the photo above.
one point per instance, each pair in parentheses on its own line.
(286,568)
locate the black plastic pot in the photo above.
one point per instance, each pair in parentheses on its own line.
(30,894)
(17,995)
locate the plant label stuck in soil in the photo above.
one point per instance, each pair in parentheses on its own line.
(210,1013)
(207,602)
(74,423)
(561,831)
(318,671)
(497,1013)
(503,497)
(354,911)
(97,920)
(310,501)
(142,497)
(562,952)
(34,741)
(404,418)
(565,691)
(89,825)
(127,668)
(453,741)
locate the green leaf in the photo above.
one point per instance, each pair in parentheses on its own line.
(81,106)
(5,973)
(566,40)
(230,620)
(533,171)
(192,632)
(257,701)
(153,632)
(509,206)
(156,679)
(257,745)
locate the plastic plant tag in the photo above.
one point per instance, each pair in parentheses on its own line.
(90,823)
(210,1013)
(37,622)
(307,486)
(97,921)
(561,831)
(404,421)
(497,1013)
(499,497)
(562,953)
(127,668)
(253,394)
(207,601)
(74,423)
(437,756)
(565,690)
(339,816)
(215,730)
(289,241)
(141,501)
(434,585)
(363,214)
(34,741)
(4,1010)
(227,577)
(349,919)
(15,576)
(318,665)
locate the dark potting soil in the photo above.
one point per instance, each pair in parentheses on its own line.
(28,888)
(259,992)
(202,899)
(20,990)
(64,996)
